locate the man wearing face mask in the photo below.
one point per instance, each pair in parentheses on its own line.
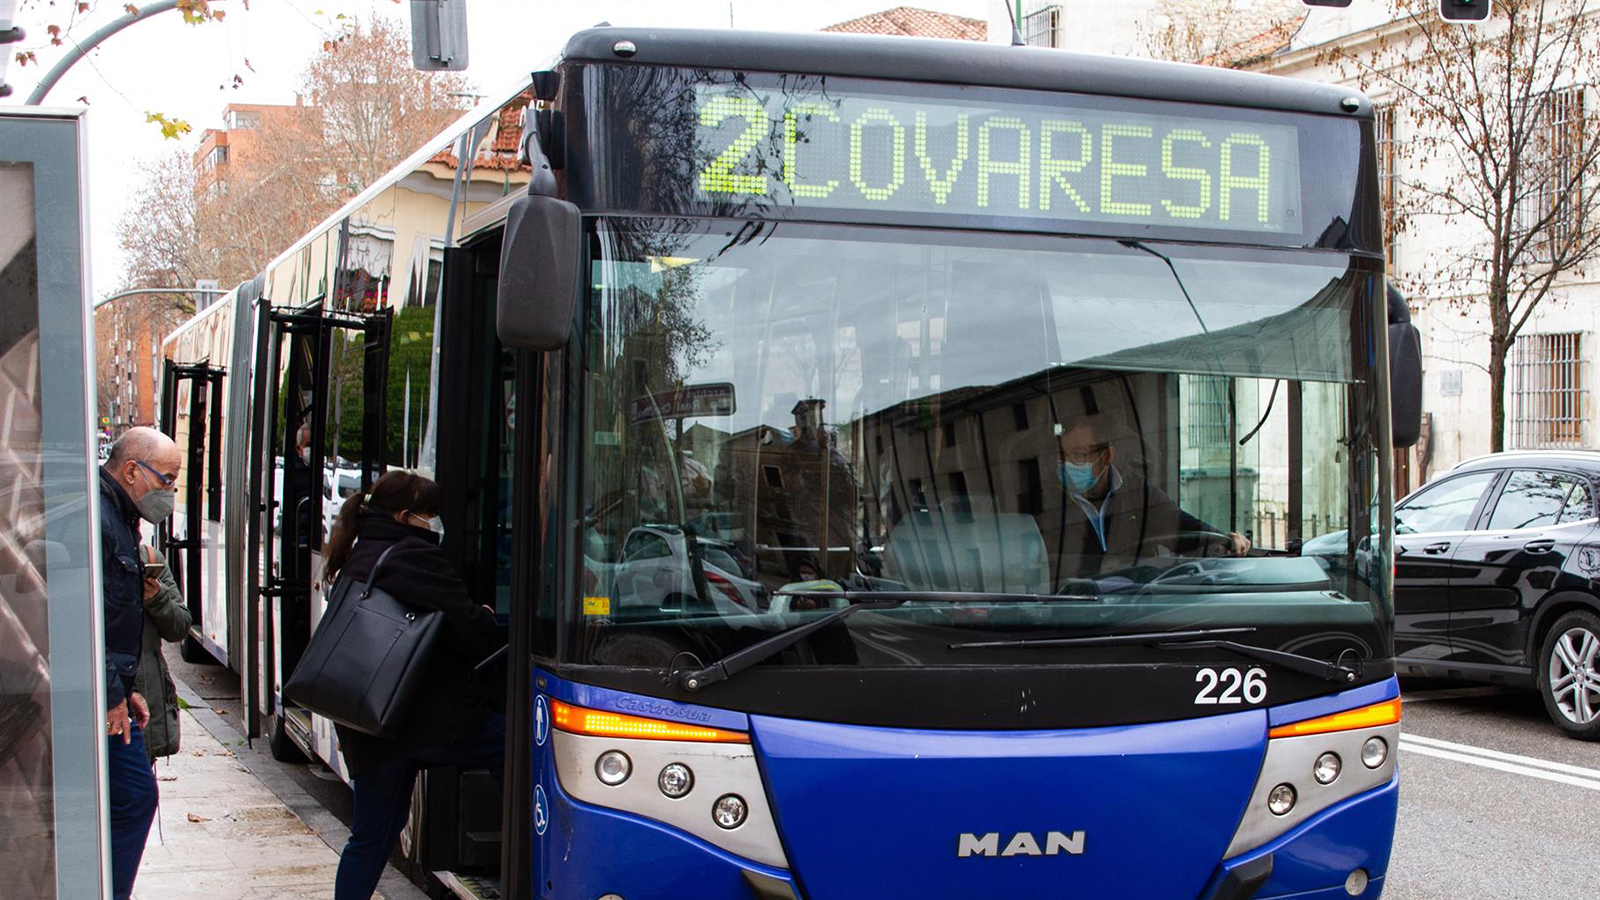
(136,482)
(1109,521)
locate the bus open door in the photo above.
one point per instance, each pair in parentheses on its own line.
(457,828)
(191,403)
(313,365)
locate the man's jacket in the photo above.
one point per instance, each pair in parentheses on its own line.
(123,582)
(1140,520)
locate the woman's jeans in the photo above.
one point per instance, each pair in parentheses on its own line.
(383,802)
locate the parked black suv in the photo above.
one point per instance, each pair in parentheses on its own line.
(1497,579)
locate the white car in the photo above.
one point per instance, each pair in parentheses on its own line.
(654,573)
(338,484)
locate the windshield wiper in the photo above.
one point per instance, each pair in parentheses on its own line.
(739,660)
(1200,638)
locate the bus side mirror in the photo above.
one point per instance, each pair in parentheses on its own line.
(538,273)
(1405,373)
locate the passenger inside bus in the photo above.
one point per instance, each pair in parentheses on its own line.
(1115,520)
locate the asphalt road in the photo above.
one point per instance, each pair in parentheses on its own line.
(1495,802)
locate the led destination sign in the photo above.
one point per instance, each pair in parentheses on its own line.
(1124,162)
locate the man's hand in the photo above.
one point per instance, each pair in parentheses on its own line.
(141,709)
(117,722)
(1238,544)
(152,586)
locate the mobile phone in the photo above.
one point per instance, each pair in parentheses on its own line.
(154,569)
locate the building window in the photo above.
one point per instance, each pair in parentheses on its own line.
(217,157)
(1041,26)
(239,118)
(1552,206)
(1030,489)
(1388,182)
(1209,411)
(1546,385)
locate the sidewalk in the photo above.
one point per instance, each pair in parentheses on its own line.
(222,835)
(234,826)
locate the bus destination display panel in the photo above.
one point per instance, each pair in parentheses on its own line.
(818,148)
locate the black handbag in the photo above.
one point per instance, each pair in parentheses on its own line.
(365,662)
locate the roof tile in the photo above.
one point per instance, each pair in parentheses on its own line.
(910,21)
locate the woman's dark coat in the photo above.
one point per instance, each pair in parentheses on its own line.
(166,618)
(451,703)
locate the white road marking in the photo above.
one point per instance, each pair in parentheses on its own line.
(1532,767)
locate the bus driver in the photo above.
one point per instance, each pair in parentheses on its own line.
(1110,521)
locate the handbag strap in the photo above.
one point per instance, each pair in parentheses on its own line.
(366,588)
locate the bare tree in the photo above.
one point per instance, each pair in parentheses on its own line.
(1228,33)
(1502,147)
(370,108)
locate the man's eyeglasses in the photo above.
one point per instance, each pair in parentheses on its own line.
(1088,455)
(161,479)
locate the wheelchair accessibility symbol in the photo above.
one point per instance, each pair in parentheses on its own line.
(541,810)
(541,720)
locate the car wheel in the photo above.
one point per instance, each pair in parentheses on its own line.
(1569,674)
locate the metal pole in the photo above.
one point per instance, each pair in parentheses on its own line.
(163,290)
(79,49)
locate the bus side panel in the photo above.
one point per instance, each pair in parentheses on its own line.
(236,501)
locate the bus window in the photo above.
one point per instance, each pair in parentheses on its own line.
(846,409)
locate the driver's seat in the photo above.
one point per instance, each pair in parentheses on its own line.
(966,545)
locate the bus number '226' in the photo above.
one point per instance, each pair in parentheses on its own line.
(1236,686)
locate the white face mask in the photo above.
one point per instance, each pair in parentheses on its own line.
(432,523)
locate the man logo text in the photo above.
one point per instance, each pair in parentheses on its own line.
(1021,844)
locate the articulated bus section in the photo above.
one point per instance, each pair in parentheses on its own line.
(296,390)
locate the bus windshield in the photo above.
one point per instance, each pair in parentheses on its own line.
(1103,434)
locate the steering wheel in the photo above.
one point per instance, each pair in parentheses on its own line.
(1210,543)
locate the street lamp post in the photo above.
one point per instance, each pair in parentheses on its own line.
(92,41)
(161,290)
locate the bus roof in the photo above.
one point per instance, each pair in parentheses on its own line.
(959,62)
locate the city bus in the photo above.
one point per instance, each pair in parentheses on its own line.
(890,459)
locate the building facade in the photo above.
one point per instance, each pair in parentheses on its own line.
(1548,400)
(237,146)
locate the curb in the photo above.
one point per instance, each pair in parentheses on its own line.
(270,773)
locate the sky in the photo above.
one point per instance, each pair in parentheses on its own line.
(165,66)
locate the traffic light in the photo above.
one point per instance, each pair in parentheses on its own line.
(1465,12)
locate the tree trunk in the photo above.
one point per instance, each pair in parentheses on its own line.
(1497,392)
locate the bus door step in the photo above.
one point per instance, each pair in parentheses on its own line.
(470,887)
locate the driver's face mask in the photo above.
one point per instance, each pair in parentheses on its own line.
(1076,477)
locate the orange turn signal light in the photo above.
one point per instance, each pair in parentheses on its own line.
(600,723)
(1385,713)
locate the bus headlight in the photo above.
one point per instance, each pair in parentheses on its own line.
(675,762)
(729,811)
(1326,768)
(613,767)
(1374,752)
(675,780)
(1303,772)
(1281,800)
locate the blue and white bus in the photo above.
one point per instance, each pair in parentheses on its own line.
(891,459)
